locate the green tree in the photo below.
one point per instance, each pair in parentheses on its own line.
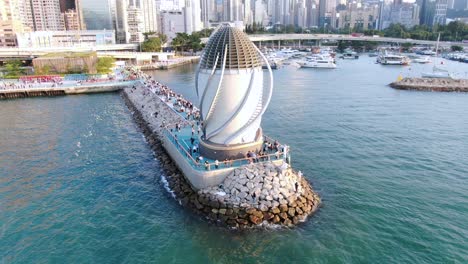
(105,64)
(184,41)
(13,68)
(152,44)
(396,31)
(456,48)
(153,34)
(406,46)
(180,42)
(46,69)
(457,30)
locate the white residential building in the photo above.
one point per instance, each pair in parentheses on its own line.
(260,15)
(150,15)
(172,22)
(42,14)
(78,38)
(136,25)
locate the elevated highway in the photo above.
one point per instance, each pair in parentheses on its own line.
(125,52)
(334,37)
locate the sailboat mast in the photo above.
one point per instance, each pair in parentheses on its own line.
(434,68)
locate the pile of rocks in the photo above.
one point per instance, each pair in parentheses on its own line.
(259,193)
(253,195)
(432,84)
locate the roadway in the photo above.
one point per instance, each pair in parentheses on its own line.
(335,37)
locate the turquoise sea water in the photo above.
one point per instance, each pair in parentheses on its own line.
(78,183)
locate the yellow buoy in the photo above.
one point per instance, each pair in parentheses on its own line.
(399,78)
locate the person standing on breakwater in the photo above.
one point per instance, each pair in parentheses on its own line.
(207,165)
(216,164)
(199,159)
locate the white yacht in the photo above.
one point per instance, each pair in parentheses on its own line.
(318,61)
(392,59)
(422,60)
(349,54)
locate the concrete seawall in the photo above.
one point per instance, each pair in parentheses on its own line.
(253,195)
(64,90)
(432,84)
(170,64)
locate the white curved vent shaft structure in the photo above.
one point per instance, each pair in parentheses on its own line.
(231,91)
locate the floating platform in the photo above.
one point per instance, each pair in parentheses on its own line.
(102,87)
(432,84)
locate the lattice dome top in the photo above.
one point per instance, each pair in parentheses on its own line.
(241,52)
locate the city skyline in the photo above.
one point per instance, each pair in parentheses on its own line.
(130,19)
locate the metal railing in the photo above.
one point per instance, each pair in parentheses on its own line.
(279,155)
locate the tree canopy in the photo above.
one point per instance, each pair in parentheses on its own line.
(13,68)
(453,31)
(184,41)
(456,48)
(152,44)
(105,64)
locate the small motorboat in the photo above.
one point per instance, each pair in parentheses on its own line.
(422,60)
(349,54)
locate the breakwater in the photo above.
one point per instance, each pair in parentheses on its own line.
(251,195)
(431,84)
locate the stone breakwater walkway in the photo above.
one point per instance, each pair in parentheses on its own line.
(252,195)
(432,84)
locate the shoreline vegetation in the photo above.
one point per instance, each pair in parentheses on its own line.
(453,31)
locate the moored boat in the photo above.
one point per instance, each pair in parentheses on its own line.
(349,54)
(392,59)
(437,73)
(318,61)
(422,60)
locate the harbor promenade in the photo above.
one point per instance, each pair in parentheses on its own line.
(16,89)
(170,63)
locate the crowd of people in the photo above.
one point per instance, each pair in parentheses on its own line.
(192,114)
